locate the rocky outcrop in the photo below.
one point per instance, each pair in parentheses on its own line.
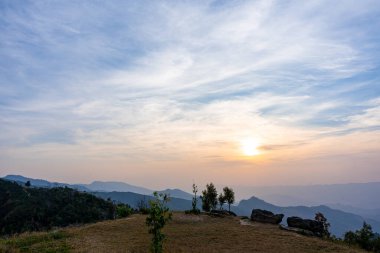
(265,216)
(316,227)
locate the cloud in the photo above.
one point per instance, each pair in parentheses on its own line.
(168,81)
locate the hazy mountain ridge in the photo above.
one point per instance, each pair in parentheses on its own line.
(357,195)
(103,186)
(100,186)
(177,193)
(44,183)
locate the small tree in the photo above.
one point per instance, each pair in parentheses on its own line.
(229,196)
(221,200)
(321,218)
(209,197)
(158,216)
(195,210)
(28,184)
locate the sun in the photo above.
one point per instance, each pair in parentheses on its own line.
(249,147)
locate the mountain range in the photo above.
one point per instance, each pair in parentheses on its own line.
(340,219)
(100,186)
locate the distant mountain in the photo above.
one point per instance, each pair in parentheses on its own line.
(366,213)
(116,186)
(94,186)
(358,195)
(100,186)
(133,199)
(177,193)
(340,221)
(43,183)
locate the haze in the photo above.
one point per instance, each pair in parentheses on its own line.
(163,94)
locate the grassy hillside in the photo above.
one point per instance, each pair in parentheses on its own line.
(185,233)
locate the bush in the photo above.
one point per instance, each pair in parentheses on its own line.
(364,238)
(123,210)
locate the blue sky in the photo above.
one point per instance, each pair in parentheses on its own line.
(126,89)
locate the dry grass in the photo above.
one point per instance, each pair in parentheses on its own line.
(188,233)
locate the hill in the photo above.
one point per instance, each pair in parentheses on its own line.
(32,208)
(185,233)
(340,221)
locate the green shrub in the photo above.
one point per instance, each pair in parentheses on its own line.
(123,210)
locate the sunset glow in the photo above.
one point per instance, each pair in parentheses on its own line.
(233,92)
(250,147)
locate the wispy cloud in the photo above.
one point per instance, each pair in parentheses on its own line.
(163,81)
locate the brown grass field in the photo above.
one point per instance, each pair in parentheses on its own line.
(185,233)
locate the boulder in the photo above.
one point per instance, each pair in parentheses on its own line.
(265,216)
(222,213)
(316,227)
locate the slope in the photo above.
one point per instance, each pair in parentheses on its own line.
(185,233)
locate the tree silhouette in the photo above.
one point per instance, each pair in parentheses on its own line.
(229,196)
(194,201)
(209,197)
(221,200)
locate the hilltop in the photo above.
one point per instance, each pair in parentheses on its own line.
(185,233)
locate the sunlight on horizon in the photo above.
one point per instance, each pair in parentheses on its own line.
(250,147)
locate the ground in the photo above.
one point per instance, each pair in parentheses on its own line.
(185,233)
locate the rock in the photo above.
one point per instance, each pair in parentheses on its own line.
(265,216)
(222,213)
(316,227)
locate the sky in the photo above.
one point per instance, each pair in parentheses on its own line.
(166,93)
